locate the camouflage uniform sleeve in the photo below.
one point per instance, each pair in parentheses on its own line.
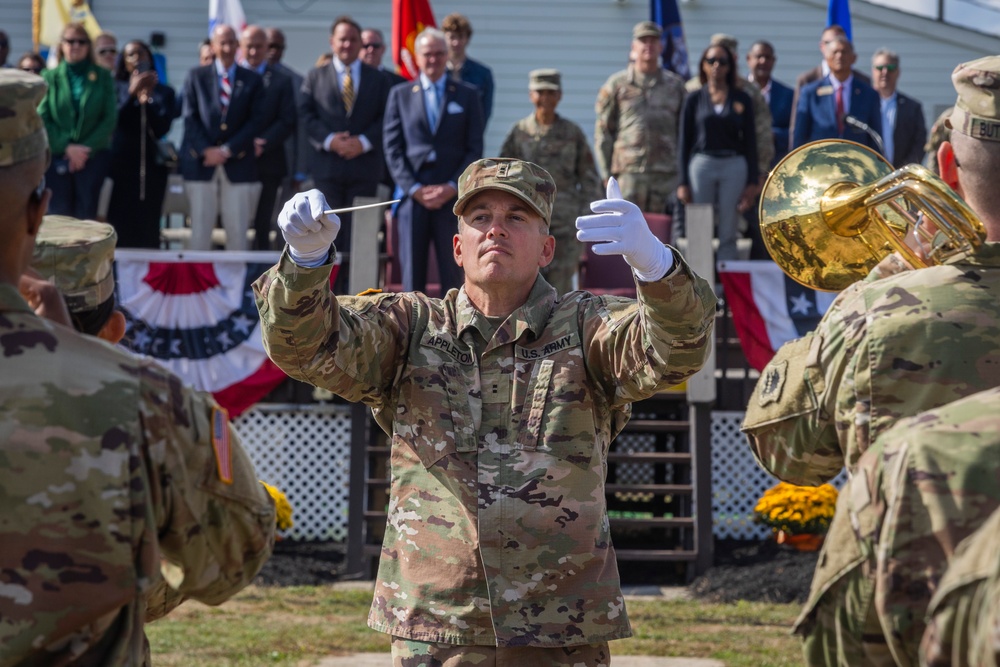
(509,146)
(586,169)
(353,346)
(215,522)
(792,417)
(606,127)
(639,347)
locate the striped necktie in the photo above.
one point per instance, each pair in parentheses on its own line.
(348,92)
(225,92)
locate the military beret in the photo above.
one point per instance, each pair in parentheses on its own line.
(977,110)
(544,79)
(77,256)
(525,180)
(22,133)
(646,29)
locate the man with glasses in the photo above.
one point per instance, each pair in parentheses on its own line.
(372,50)
(296,146)
(106,50)
(904,130)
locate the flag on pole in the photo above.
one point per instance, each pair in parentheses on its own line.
(226,12)
(769,308)
(51,16)
(667,15)
(838,12)
(409,18)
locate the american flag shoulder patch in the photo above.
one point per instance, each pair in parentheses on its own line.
(222,445)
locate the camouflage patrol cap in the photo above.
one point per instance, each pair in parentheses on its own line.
(525,180)
(722,39)
(544,79)
(22,133)
(77,255)
(977,111)
(646,29)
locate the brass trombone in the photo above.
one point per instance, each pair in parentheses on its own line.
(831,210)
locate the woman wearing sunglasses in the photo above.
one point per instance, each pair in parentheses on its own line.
(79,111)
(718,146)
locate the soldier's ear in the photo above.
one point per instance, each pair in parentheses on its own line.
(948,166)
(114,329)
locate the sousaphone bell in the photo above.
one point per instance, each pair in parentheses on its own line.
(833,209)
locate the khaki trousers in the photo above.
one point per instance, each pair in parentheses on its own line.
(237,203)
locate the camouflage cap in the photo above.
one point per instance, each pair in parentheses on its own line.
(646,29)
(725,40)
(544,79)
(77,256)
(525,180)
(977,111)
(22,133)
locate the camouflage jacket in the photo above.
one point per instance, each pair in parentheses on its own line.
(637,125)
(924,486)
(761,120)
(885,349)
(497,530)
(563,151)
(109,481)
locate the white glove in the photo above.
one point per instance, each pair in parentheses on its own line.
(308,231)
(619,228)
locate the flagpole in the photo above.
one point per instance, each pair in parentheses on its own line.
(36,22)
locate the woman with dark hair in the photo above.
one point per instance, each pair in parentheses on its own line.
(79,115)
(146,109)
(31,62)
(718,146)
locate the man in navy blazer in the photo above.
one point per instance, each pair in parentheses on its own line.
(347,142)
(217,155)
(820,116)
(904,130)
(427,146)
(458,31)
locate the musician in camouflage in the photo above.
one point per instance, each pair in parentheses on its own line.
(114,475)
(638,113)
(924,486)
(557,145)
(894,347)
(501,402)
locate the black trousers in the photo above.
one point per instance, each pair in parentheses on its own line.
(263,219)
(77,194)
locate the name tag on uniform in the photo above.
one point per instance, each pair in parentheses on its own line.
(824,90)
(448,346)
(548,349)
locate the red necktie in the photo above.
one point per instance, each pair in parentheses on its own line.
(840,110)
(225,92)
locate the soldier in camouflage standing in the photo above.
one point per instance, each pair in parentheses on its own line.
(638,114)
(115,476)
(891,348)
(558,146)
(501,402)
(925,485)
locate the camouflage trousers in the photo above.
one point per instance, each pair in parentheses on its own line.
(650,191)
(409,653)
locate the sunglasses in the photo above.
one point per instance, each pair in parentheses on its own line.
(276,47)
(722,62)
(891,67)
(33,70)
(372,45)
(75,42)
(106,52)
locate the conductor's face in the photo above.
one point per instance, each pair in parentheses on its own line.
(501,242)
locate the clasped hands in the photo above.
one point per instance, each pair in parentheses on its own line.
(345,145)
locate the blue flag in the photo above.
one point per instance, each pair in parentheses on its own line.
(675,53)
(838,12)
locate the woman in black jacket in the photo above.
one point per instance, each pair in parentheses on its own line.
(146,109)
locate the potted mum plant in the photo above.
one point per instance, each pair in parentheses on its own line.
(799,516)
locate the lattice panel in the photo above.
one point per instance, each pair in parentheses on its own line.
(305,452)
(737,481)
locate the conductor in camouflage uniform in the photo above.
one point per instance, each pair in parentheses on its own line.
(638,115)
(925,485)
(558,146)
(501,402)
(115,476)
(894,347)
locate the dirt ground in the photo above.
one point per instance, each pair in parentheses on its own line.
(744,570)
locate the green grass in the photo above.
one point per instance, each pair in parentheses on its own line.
(298,626)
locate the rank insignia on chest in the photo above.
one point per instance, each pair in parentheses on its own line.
(772,382)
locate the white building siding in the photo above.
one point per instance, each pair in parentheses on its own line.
(586,39)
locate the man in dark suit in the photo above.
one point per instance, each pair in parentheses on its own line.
(824,105)
(433,131)
(458,32)
(342,108)
(297,148)
(222,105)
(372,51)
(760,62)
(277,123)
(904,130)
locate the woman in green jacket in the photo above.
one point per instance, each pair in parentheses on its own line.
(79,111)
